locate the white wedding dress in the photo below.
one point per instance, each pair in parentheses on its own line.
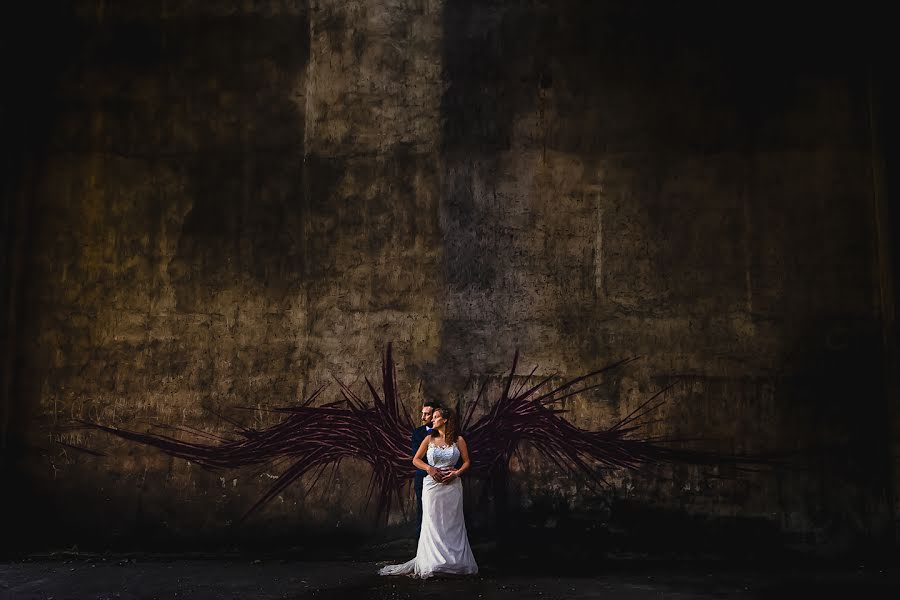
(443,543)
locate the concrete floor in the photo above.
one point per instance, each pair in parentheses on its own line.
(110,577)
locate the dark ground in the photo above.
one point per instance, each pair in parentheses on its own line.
(76,575)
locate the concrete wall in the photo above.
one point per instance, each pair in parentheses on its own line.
(236,201)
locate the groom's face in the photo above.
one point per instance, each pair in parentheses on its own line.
(427,413)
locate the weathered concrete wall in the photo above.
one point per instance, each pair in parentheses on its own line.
(240,200)
(652,183)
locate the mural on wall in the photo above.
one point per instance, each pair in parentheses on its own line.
(314,439)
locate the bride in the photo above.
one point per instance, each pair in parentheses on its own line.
(443,543)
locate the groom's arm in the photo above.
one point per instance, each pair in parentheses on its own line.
(420,461)
(414,442)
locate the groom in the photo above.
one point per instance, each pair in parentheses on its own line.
(418,434)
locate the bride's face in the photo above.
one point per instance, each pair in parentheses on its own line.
(437,419)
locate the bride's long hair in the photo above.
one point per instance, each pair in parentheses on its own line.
(450,433)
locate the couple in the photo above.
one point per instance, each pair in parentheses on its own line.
(443,541)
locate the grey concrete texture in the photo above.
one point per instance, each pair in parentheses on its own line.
(240,201)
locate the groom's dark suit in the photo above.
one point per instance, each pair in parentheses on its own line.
(418,435)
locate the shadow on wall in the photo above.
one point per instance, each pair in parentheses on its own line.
(833,406)
(36,49)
